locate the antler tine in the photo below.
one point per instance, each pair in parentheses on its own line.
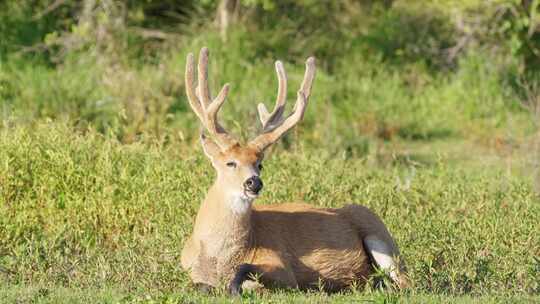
(270,120)
(273,133)
(200,100)
(309,75)
(202,69)
(191,92)
(214,108)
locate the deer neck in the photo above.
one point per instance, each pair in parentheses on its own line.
(224,220)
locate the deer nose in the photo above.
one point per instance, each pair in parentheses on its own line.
(253,184)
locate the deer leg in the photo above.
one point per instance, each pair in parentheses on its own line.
(378,242)
(242,274)
(386,257)
(272,275)
(189,252)
(204,288)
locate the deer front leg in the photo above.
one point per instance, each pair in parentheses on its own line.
(275,275)
(204,288)
(201,266)
(242,274)
(189,254)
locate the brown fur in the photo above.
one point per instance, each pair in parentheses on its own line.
(311,246)
(293,245)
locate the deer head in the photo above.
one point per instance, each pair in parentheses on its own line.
(238,165)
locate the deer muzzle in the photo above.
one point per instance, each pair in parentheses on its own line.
(253,185)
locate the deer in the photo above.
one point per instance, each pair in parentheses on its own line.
(289,245)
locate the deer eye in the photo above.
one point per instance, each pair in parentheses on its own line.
(260,166)
(231,164)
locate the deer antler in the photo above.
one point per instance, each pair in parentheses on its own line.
(274,126)
(202,104)
(269,121)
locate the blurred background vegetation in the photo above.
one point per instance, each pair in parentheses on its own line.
(388,69)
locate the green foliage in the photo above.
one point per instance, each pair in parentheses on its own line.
(403,36)
(521,24)
(21,30)
(363,102)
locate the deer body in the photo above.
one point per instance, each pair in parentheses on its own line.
(292,245)
(288,245)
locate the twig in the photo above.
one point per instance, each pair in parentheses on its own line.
(6,270)
(49,9)
(38,47)
(152,33)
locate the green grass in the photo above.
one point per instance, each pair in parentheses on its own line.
(86,218)
(20,294)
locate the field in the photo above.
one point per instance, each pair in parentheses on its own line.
(86,218)
(101,173)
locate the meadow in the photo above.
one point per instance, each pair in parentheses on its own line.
(101,173)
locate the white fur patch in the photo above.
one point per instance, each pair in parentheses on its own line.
(383,256)
(251,285)
(240,203)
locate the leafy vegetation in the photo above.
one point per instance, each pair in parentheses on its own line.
(425,111)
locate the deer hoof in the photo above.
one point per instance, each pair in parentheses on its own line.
(235,289)
(204,288)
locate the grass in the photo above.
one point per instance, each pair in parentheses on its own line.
(86,218)
(18,294)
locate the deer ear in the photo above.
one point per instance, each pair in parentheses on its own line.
(210,148)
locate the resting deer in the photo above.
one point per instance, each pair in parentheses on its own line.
(288,245)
